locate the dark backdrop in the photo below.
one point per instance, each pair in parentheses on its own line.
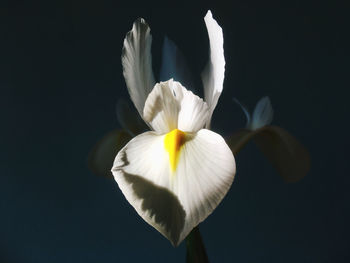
(60,79)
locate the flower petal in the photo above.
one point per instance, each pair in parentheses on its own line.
(262,115)
(162,108)
(214,73)
(174,65)
(102,155)
(287,155)
(170,106)
(129,119)
(174,202)
(244,109)
(194,112)
(137,63)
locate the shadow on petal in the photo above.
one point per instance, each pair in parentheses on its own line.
(101,157)
(159,207)
(289,157)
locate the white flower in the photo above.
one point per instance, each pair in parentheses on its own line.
(177,174)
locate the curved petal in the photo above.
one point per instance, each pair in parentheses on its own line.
(239,139)
(170,106)
(214,73)
(244,109)
(174,202)
(162,108)
(194,112)
(204,175)
(289,157)
(262,115)
(137,63)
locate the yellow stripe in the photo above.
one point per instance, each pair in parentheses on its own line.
(173,142)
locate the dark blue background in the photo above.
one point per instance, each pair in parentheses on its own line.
(60,78)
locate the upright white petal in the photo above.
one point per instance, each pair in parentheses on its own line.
(194,112)
(137,63)
(213,74)
(262,115)
(174,202)
(170,106)
(162,108)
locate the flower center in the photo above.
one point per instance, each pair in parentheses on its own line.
(173,142)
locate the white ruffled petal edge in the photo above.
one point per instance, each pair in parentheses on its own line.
(137,63)
(170,106)
(175,202)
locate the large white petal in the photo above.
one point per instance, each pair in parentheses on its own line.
(137,63)
(174,202)
(214,73)
(170,106)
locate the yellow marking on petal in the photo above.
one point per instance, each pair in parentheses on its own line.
(173,142)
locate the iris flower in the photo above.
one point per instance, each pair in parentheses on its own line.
(176,174)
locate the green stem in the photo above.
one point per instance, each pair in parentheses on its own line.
(195,248)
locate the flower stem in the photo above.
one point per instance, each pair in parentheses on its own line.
(196,252)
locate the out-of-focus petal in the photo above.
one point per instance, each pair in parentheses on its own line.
(244,109)
(137,63)
(262,115)
(174,202)
(170,106)
(174,65)
(214,73)
(101,157)
(285,152)
(239,139)
(289,157)
(129,119)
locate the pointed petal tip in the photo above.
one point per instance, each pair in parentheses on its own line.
(167,40)
(208,15)
(262,114)
(208,18)
(266,98)
(214,73)
(138,170)
(137,63)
